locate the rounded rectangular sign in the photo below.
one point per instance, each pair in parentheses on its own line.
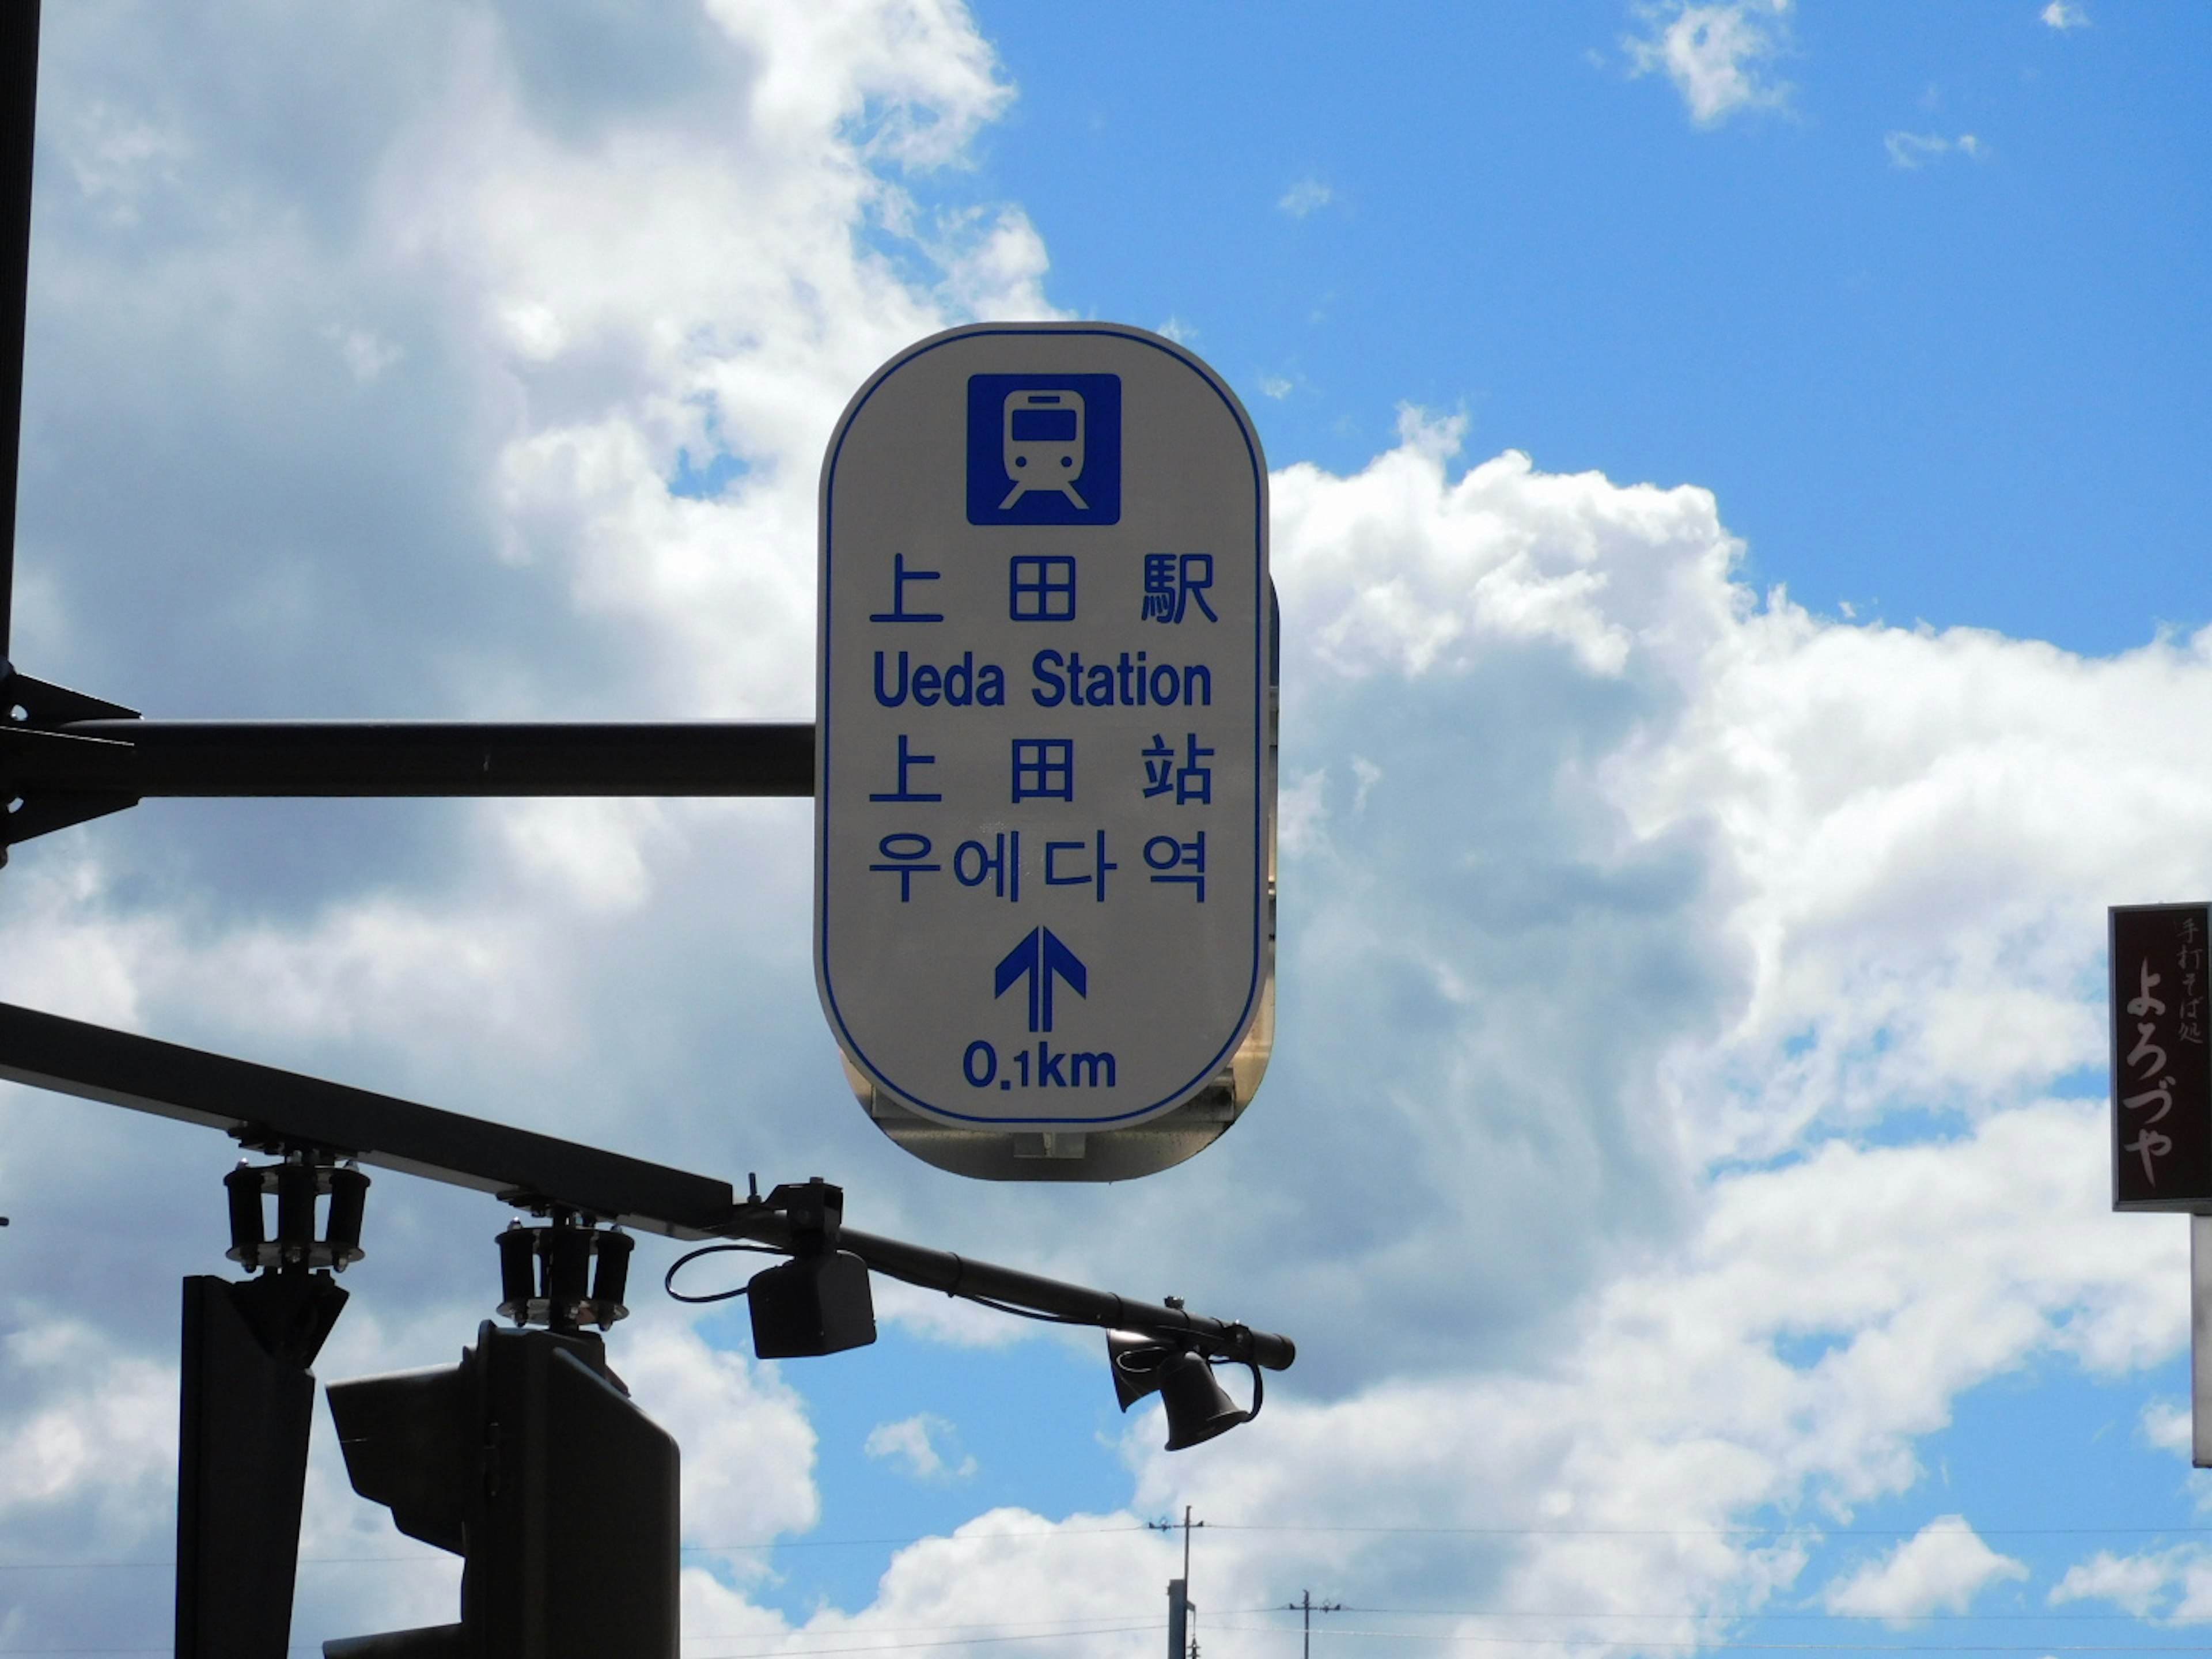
(1042,783)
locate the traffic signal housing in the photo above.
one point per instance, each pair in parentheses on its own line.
(530,1461)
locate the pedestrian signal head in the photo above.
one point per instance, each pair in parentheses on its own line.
(811,1305)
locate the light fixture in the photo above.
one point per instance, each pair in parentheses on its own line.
(1198,1407)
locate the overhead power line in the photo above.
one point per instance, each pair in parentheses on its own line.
(1726,1617)
(1824,1534)
(750,1653)
(1336,1631)
(1835,1535)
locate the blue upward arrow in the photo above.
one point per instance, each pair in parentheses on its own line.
(1041,957)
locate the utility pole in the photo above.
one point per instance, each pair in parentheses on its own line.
(1180,1644)
(1307,1605)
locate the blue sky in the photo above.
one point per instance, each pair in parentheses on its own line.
(1683,1163)
(1930,382)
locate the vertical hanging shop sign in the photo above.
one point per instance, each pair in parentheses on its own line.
(2162,1076)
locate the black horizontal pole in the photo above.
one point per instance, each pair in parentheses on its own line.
(144,758)
(955,1275)
(265,1106)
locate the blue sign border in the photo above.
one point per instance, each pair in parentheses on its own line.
(1263,610)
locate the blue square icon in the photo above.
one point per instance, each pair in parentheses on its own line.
(1044,449)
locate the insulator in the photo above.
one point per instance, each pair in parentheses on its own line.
(243,1185)
(518,1270)
(568,1270)
(349,1195)
(297,1188)
(612,1277)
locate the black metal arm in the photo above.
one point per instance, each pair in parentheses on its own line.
(65,757)
(140,758)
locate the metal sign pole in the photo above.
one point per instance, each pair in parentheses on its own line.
(2200,1340)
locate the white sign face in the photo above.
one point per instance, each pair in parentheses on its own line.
(1042,782)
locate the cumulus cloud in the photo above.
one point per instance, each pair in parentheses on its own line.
(1942,1568)
(2062,15)
(560,252)
(1815,796)
(2169,1425)
(1636,926)
(748,1449)
(2174,1585)
(96,1419)
(1307,197)
(1716,55)
(1009,1580)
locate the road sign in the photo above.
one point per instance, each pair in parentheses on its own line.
(1044,784)
(2162,1076)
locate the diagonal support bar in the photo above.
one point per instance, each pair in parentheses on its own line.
(19,114)
(264,1106)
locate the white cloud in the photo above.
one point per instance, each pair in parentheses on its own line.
(1505,554)
(2171,1585)
(2169,1425)
(364,352)
(919,1443)
(98,1420)
(1714,54)
(118,158)
(1940,1569)
(1307,197)
(747,1450)
(1679,1376)
(1820,870)
(1551,767)
(1910,150)
(1012,1581)
(576,282)
(2062,15)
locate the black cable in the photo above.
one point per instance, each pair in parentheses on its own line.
(997,1306)
(668,1284)
(668,1279)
